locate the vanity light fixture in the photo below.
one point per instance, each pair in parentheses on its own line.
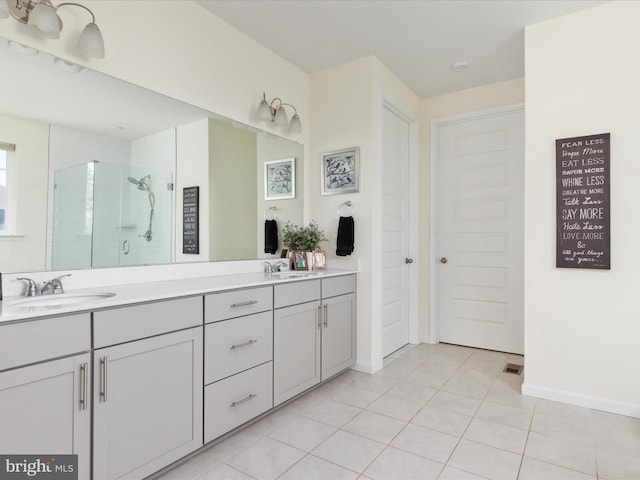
(268,112)
(43,16)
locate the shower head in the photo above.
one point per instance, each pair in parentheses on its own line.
(141,184)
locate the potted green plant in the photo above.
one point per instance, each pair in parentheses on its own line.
(307,239)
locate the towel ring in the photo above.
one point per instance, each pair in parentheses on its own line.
(274,215)
(348,204)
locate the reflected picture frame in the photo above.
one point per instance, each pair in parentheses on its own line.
(280,179)
(340,171)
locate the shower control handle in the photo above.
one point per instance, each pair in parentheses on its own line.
(125,247)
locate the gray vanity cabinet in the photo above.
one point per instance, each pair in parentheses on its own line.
(147,387)
(238,367)
(314,333)
(46,405)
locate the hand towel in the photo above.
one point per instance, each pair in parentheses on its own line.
(345,236)
(270,236)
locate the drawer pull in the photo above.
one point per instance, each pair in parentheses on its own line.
(326,316)
(83,386)
(245,344)
(319,316)
(246,399)
(244,304)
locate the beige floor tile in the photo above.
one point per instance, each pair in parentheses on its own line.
(314,468)
(497,435)
(532,469)
(412,391)
(400,465)
(486,461)
(375,383)
(616,432)
(450,473)
(574,456)
(265,459)
(355,396)
(466,387)
(349,450)
(332,413)
(426,378)
(427,443)
(514,417)
(377,427)
(444,421)
(395,407)
(455,403)
(616,465)
(395,372)
(568,428)
(224,472)
(303,433)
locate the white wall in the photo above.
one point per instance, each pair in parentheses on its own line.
(582,327)
(346,108)
(28,180)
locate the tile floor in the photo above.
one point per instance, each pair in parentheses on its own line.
(434,412)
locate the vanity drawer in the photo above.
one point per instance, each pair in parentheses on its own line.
(125,324)
(235,400)
(295,293)
(232,346)
(223,305)
(38,340)
(334,286)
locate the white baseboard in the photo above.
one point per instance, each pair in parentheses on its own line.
(365,368)
(582,400)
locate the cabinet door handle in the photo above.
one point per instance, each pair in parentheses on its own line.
(244,304)
(245,344)
(319,316)
(83,386)
(326,316)
(246,399)
(103,379)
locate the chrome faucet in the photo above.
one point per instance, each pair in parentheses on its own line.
(53,286)
(278,265)
(32,288)
(270,268)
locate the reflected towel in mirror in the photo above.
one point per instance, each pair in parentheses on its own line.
(270,236)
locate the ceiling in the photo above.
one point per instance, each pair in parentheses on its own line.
(417,39)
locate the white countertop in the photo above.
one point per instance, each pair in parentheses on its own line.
(154,291)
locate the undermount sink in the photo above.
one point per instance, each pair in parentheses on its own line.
(61,300)
(289,273)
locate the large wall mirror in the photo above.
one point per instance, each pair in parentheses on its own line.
(99,169)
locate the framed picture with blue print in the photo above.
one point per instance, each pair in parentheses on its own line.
(340,171)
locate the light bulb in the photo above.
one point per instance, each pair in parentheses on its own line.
(281,119)
(295,126)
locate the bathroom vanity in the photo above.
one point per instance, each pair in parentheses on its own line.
(135,381)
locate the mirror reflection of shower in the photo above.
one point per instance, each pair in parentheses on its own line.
(144,186)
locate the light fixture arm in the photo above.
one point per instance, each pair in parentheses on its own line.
(64,4)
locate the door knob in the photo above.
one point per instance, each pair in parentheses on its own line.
(408,260)
(443,260)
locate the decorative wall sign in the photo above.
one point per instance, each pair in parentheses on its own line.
(190,207)
(582,202)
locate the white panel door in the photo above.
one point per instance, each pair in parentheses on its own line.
(481,232)
(395,232)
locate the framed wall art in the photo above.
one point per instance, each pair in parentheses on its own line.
(280,179)
(340,171)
